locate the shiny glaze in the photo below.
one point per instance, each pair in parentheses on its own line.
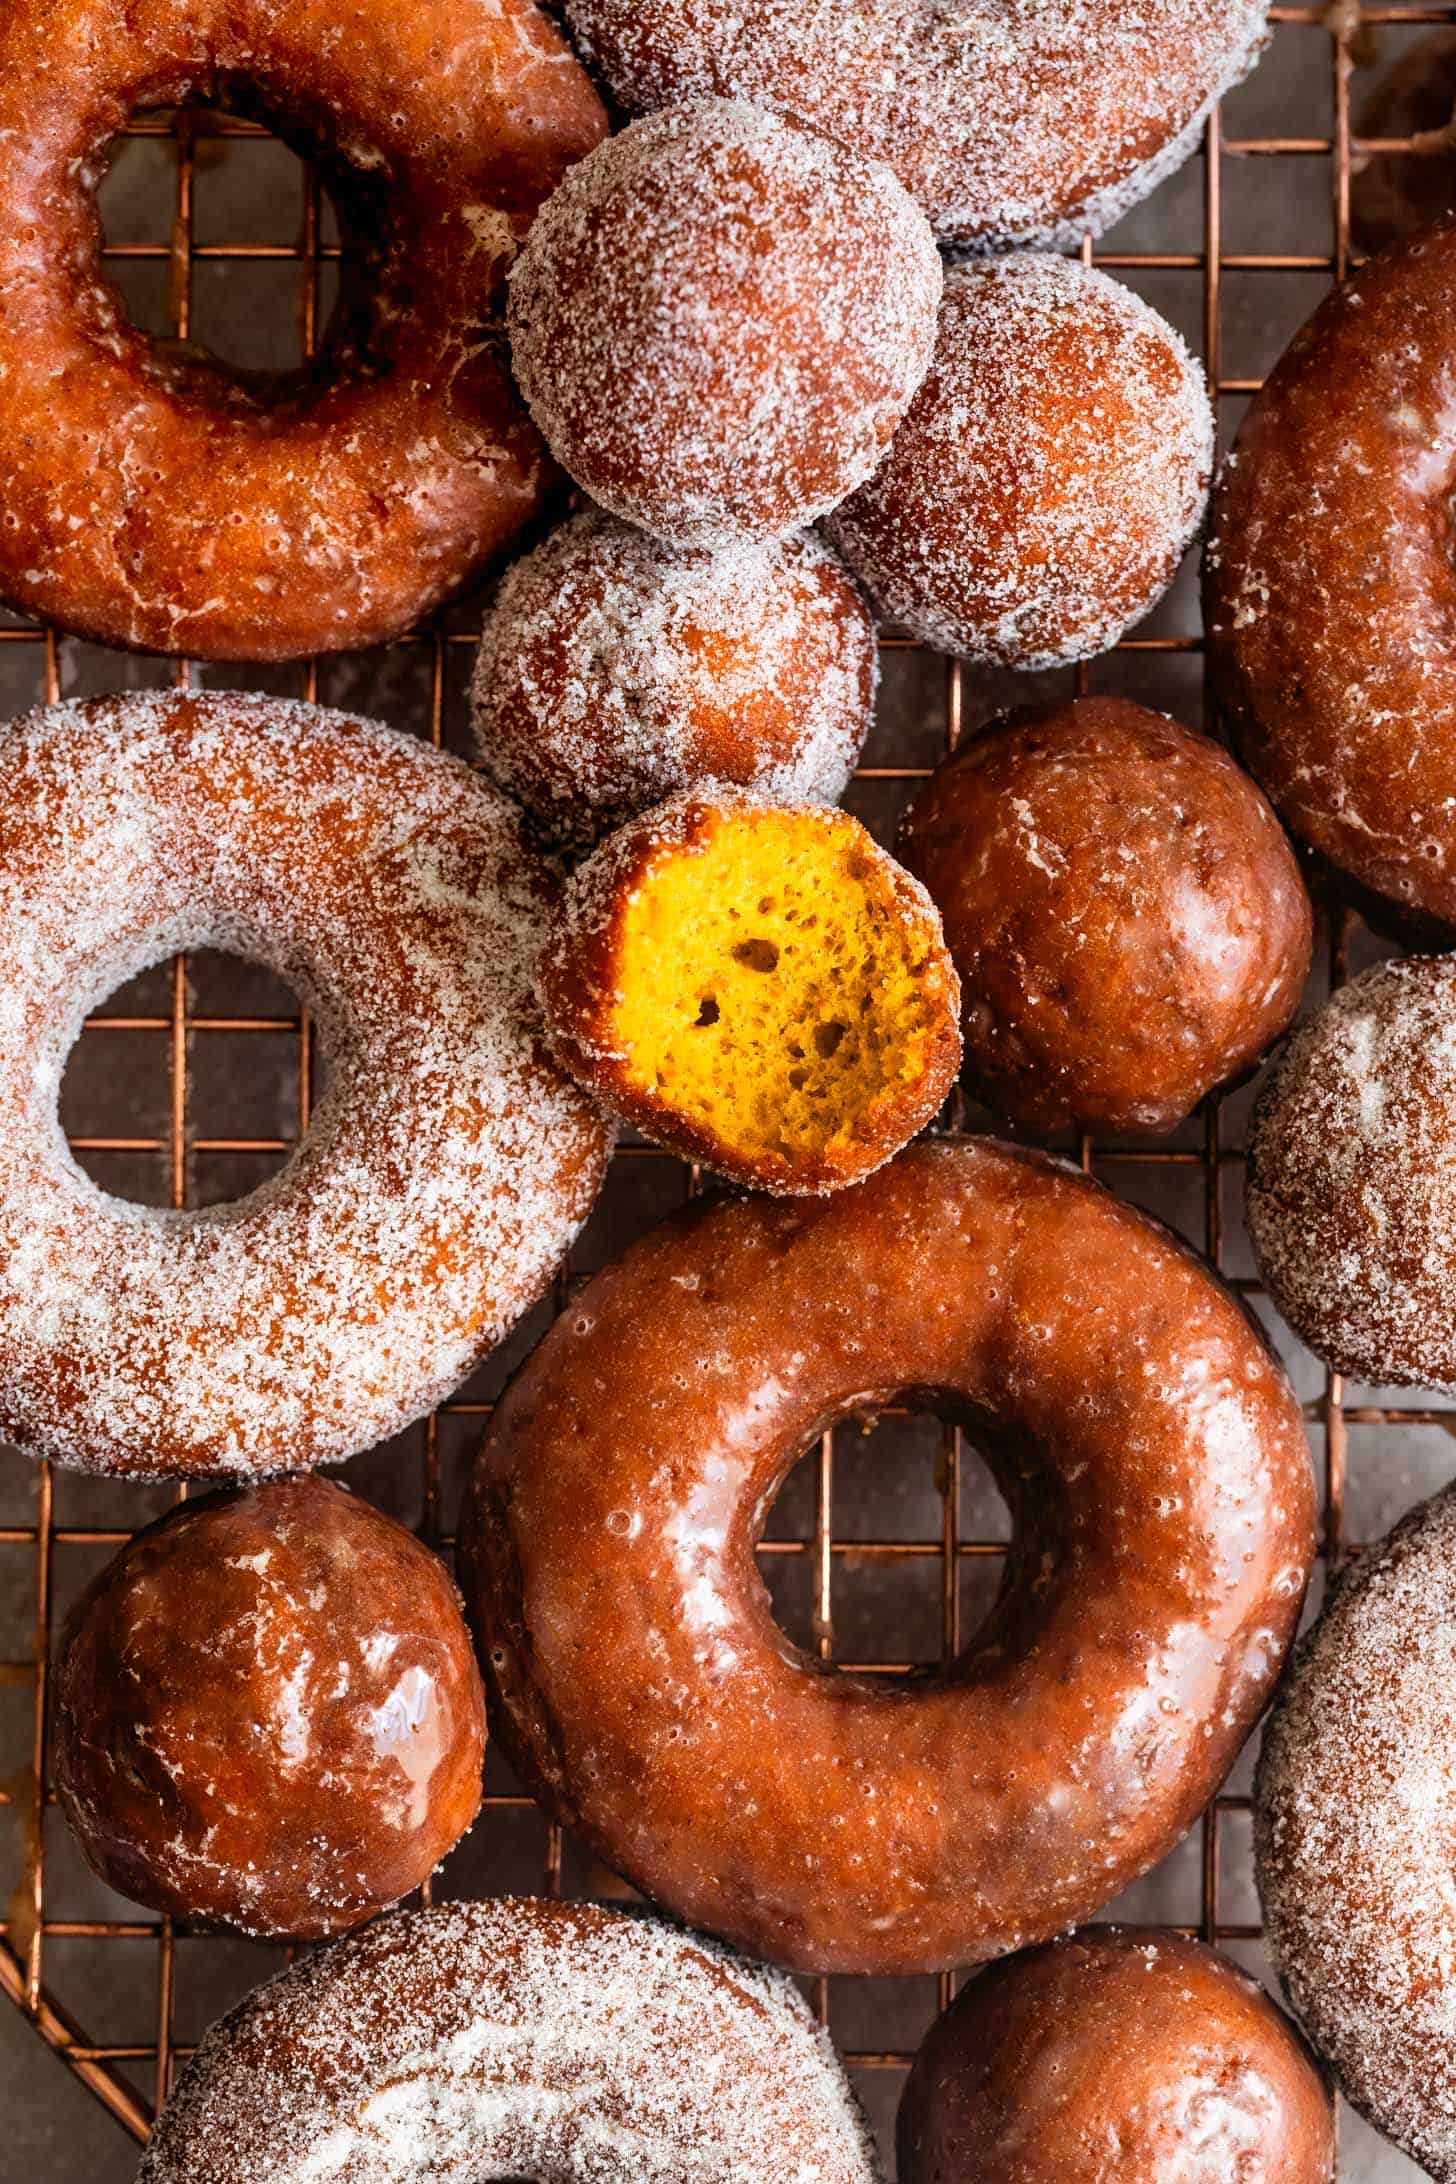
(153,498)
(267,1713)
(1154,1463)
(1127,918)
(1116,2057)
(1329,592)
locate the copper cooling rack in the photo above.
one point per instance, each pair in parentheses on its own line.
(881,1548)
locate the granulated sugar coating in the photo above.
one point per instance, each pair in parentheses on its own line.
(446,1169)
(719,320)
(614,671)
(1354,1816)
(1051,471)
(516,2039)
(1026,121)
(1352,1177)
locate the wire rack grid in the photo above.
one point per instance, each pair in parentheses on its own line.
(824,1536)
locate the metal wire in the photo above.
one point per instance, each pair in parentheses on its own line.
(29,1929)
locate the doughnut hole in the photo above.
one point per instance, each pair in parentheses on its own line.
(719,320)
(267,1713)
(778,997)
(1126,916)
(1049,475)
(614,671)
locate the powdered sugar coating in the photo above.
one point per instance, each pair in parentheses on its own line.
(1050,473)
(1025,121)
(1355,1812)
(614,672)
(516,2038)
(446,1169)
(1352,1177)
(719,320)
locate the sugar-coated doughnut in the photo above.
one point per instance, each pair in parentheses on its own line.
(1050,473)
(516,2039)
(153,498)
(758,986)
(1351,1177)
(448,1165)
(1354,1810)
(1018,121)
(614,671)
(1328,587)
(1148,1447)
(267,1714)
(1125,913)
(1117,2054)
(719,321)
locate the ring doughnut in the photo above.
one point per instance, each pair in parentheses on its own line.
(515,2039)
(1154,1462)
(1328,587)
(445,1170)
(154,499)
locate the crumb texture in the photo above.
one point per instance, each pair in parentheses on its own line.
(444,1171)
(776,988)
(1355,1813)
(516,2038)
(1050,473)
(1352,1177)
(614,671)
(1030,121)
(719,320)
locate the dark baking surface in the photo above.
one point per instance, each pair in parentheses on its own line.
(870,1559)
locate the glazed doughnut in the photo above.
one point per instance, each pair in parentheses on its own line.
(447,1167)
(1354,1807)
(719,320)
(1013,123)
(1126,916)
(155,499)
(1351,1177)
(1139,2056)
(1328,587)
(515,2039)
(756,986)
(614,672)
(267,1714)
(1154,1462)
(1051,471)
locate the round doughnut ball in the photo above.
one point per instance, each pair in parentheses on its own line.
(719,320)
(1142,2042)
(1394,195)
(1052,469)
(1354,1815)
(267,1714)
(614,671)
(1125,913)
(1008,122)
(1351,1178)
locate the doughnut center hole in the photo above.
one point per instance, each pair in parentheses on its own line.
(253,314)
(896,1599)
(234,1117)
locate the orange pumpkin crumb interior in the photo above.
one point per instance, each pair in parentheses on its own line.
(773,990)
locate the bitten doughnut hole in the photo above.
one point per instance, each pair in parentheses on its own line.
(776,991)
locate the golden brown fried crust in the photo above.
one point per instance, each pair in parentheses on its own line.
(1126,915)
(1120,2052)
(1154,1461)
(267,1714)
(156,501)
